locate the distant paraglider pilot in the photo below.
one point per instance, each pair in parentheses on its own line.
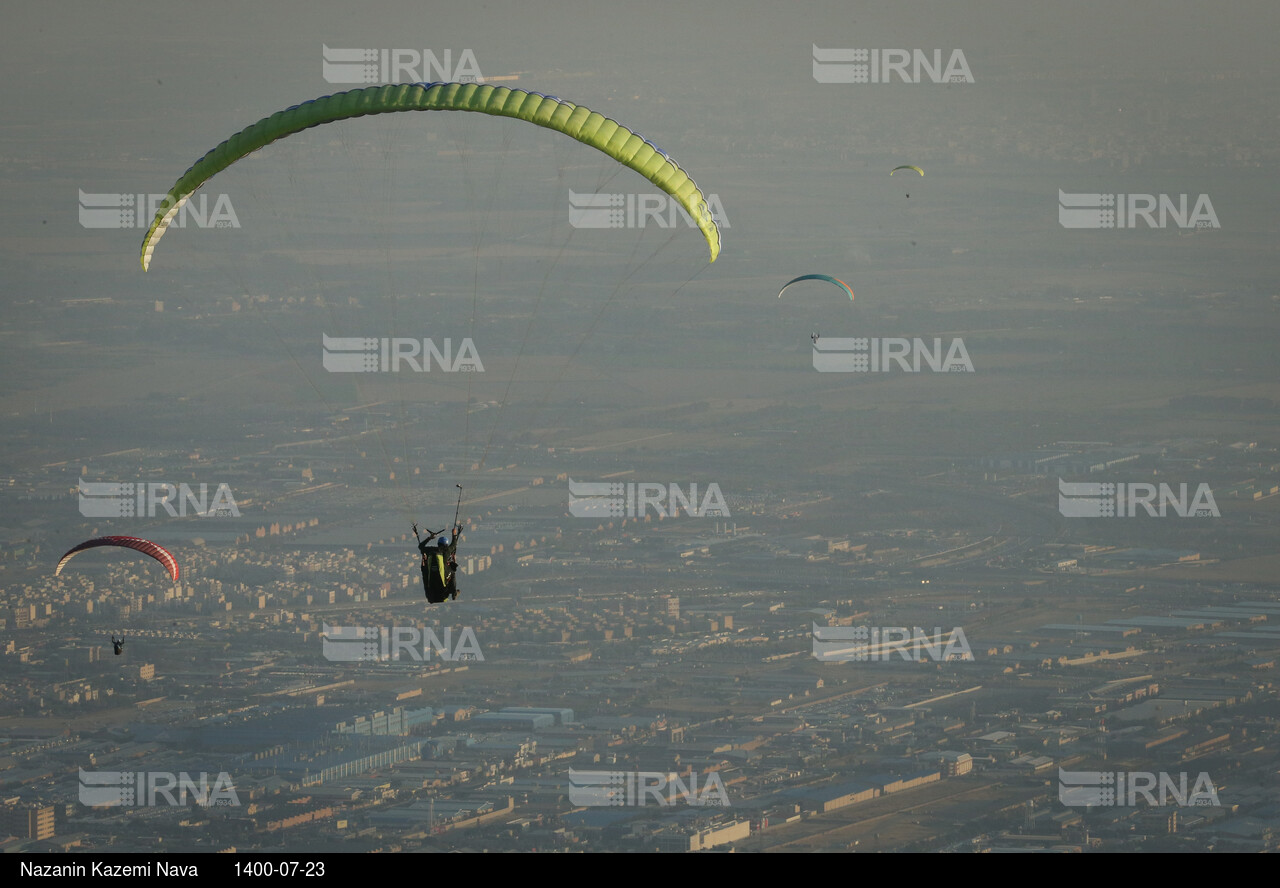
(439,564)
(118,644)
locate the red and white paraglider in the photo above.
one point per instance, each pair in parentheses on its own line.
(146,547)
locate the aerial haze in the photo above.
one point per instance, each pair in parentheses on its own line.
(982,559)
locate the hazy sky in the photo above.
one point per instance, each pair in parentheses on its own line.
(1158,97)
(450,228)
(158,78)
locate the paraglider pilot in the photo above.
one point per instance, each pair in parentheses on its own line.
(118,644)
(439,564)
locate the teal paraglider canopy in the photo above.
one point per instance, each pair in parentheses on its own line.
(818,277)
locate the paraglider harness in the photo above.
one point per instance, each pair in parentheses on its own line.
(440,567)
(118,645)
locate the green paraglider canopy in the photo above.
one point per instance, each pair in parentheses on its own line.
(593,129)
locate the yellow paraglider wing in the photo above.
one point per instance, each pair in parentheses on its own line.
(587,126)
